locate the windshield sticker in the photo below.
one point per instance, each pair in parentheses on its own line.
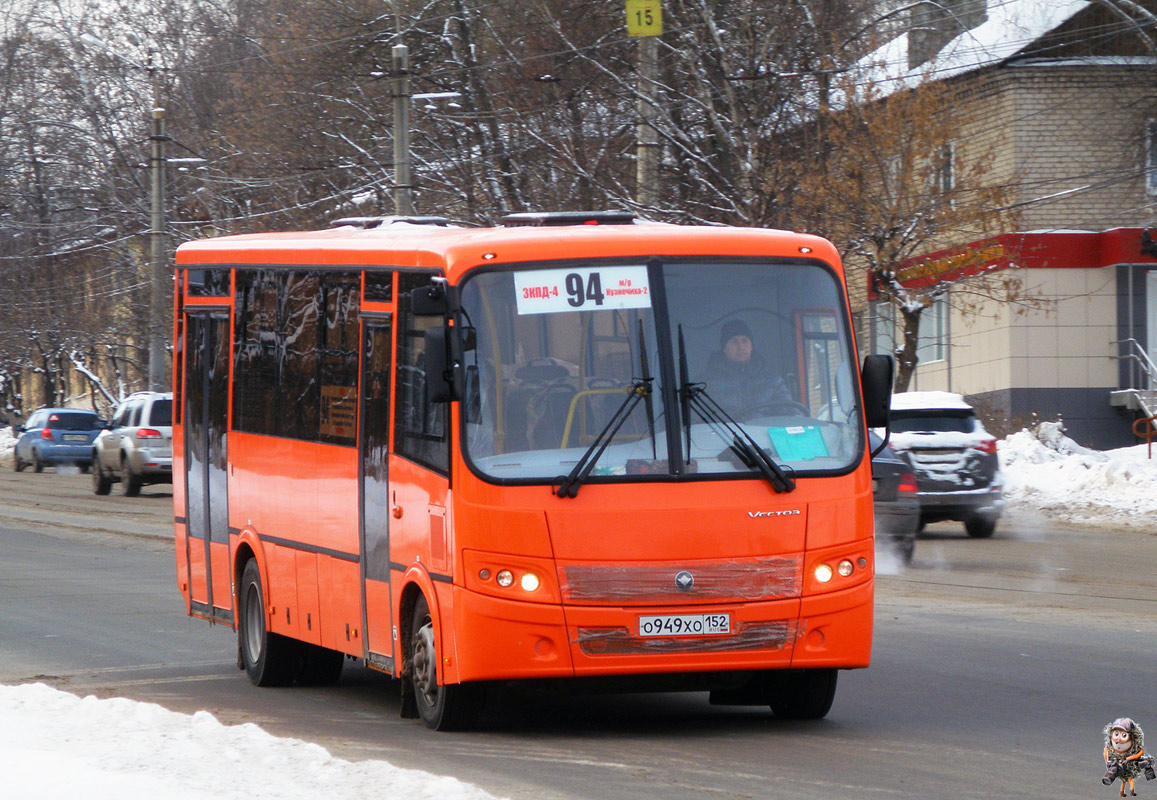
(798,442)
(551,291)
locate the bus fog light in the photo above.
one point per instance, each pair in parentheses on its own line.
(529,582)
(845,568)
(504,578)
(823,573)
(484,574)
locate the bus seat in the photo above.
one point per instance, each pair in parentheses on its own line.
(546,415)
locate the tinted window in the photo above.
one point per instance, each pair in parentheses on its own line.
(209,283)
(63,421)
(938,422)
(296,355)
(338,358)
(161,413)
(122,416)
(420,427)
(380,286)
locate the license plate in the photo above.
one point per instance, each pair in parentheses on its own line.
(685,625)
(75,437)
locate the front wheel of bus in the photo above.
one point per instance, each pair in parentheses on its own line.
(268,658)
(443,707)
(803,694)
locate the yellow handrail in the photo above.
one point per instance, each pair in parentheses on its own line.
(574,403)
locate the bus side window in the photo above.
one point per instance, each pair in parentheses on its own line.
(421,429)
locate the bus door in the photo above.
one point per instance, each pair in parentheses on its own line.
(373,459)
(206,489)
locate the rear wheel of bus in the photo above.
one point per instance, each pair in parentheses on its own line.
(443,707)
(269,658)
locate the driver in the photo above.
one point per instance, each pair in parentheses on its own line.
(738,378)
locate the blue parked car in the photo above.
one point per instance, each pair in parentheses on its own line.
(56,436)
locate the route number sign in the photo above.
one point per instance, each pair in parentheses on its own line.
(644,18)
(550,291)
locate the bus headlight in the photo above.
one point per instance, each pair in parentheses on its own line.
(845,568)
(529,582)
(504,578)
(823,573)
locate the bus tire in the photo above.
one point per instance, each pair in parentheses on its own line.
(269,658)
(803,694)
(442,707)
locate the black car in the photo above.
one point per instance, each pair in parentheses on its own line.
(894,498)
(955,459)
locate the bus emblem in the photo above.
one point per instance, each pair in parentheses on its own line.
(684,581)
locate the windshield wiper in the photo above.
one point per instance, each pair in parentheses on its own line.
(568,485)
(693,396)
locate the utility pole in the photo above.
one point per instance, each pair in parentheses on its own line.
(159,310)
(403,188)
(645,20)
(160,279)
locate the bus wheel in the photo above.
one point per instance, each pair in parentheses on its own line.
(443,707)
(803,694)
(269,658)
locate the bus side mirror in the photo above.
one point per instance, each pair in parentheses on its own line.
(876,378)
(435,300)
(438,366)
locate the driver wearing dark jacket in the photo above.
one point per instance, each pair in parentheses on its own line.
(738,378)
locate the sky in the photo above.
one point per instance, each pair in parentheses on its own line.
(57,745)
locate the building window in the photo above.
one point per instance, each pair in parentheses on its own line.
(932,343)
(883,328)
(1151,157)
(945,166)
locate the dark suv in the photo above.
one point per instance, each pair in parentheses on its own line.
(957,468)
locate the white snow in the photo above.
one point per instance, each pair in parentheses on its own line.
(1046,470)
(58,745)
(1011,26)
(907,400)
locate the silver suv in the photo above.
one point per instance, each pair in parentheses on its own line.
(136,448)
(957,468)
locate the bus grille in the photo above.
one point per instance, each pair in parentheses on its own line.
(749,636)
(762,579)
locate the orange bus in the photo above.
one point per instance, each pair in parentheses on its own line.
(574,448)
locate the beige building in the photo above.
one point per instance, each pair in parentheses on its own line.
(1062,98)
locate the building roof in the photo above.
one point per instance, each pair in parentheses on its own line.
(1011,27)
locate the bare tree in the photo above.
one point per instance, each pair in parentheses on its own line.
(895,179)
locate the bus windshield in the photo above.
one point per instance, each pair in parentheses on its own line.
(678,368)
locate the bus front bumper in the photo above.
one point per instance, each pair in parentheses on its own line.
(501,639)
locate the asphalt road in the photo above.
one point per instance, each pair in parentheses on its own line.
(996,663)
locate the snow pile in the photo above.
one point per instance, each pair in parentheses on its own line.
(58,745)
(7,442)
(1045,469)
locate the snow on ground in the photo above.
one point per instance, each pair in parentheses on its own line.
(1046,470)
(57,745)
